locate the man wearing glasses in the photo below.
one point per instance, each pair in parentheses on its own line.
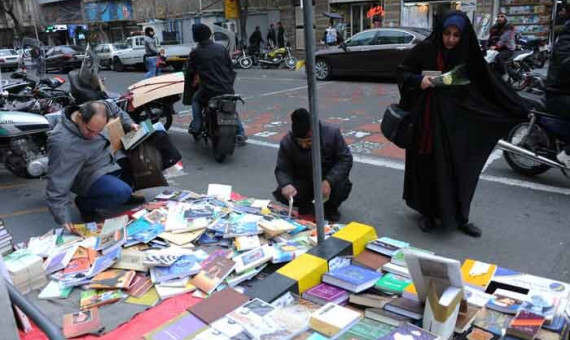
(294,172)
(502,39)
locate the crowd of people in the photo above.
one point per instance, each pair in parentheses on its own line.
(455,130)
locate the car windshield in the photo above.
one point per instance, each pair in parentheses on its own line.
(120,46)
(362,38)
(4,53)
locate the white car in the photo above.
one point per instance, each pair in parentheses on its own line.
(106,53)
(9,59)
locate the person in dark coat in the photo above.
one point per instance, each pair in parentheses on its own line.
(502,39)
(271,37)
(294,172)
(209,73)
(280,35)
(456,127)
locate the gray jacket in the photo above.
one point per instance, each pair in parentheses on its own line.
(150,46)
(75,163)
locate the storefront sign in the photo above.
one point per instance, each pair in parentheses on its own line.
(107,11)
(231,9)
(376,11)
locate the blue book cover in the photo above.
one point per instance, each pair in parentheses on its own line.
(186,265)
(148,234)
(137,226)
(241,229)
(355,275)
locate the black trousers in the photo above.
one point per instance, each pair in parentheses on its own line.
(501,61)
(304,198)
(558,104)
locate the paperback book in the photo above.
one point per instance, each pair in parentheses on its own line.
(352,278)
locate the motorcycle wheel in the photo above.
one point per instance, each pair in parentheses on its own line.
(224,143)
(291,63)
(245,63)
(158,111)
(522,165)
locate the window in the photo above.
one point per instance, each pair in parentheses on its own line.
(222,39)
(6,53)
(106,49)
(387,37)
(140,42)
(361,39)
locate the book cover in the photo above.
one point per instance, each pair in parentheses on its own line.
(241,229)
(184,326)
(131,259)
(181,239)
(104,262)
(476,297)
(477,274)
(288,251)
(412,308)
(149,298)
(96,298)
(353,275)
(148,234)
(493,321)
(78,265)
(326,293)
(398,257)
(332,319)
(476,333)
(86,230)
(251,317)
(530,282)
(155,259)
(168,292)
(541,303)
(526,325)
(506,301)
(218,305)
(80,323)
(212,275)
(186,265)
(252,258)
(157,216)
(132,139)
(392,283)
(369,300)
(244,243)
(140,285)
(54,291)
(411,332)
(367,329)
(59,259)
(112,279)
(371,260)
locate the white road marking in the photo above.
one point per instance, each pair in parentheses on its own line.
(398,165)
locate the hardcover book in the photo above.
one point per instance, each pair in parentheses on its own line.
(369,300)
(352,278)
(367,329)
(387,317)
(209,278)
(409,308)
(392,283)
(80,323)
(371,260)
(525,325)
(332,319)
(386,245)
(218,305)
(324,293)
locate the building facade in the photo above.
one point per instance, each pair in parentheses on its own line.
(27,14)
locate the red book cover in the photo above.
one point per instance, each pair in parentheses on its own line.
(84,322)
(526,325)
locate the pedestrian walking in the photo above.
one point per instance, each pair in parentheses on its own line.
(281,38)
(255,40)
(271,37)
(456,127)
(151,53)
(330,35)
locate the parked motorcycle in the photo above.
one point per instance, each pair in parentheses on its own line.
(220,121)
(517,66)
(276,57)
(531,147)
(241,58)
(151,98)
(44,97)
(539,47)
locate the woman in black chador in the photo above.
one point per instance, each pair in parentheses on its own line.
(456,127)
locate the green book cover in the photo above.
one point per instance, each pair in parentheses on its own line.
(392,283)
(367,329)
(398,257)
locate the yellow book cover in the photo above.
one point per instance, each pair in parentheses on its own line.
(477,274)
(149,298)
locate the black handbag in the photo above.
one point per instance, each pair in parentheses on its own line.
(397,126)
(168,152)
(146,165)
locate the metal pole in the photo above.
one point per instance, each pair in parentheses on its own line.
(313,108)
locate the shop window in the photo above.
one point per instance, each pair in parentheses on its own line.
(387,37)
(361,39)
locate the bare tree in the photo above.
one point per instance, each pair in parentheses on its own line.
(8,7)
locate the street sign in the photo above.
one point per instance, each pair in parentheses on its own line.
(231,9)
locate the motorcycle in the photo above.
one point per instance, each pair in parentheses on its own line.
(151,98)
(531,147)
(540,48)
(517,66)
(278,56)
(241,58)
(44,97)
(220,121)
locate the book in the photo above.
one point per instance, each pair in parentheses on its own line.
(181,239)
(160,259)
(54,291)
(79,263)
(235,279)
(96,298)
(386,246)
(398,257)
(131,259)
(367,329)
(251,317)
(396,269)
(477,274)
(80,323)
(184,326)
(134,138)
(275,226)
(369,300)
(370,259)
(476,333)
(186,265)
(525,325)
(211,276)
(465,318)
(59,259)
(493,321)
(86,230)
(218,305)
(410,332)
(43,245)
(149,298)
(541,303)
(332,319)
(167,292)
(242,229)
(253,258)
(230,329)
(288,251)
(148,234)
(386,317)
(157,216)
(140,285)
(408,308)
(25,270)
(476,297)
(324,293)
(392,283)
(294,316)
(506,301)
(244,243)
(352,278)
(112,279)
(526,282)
(220,191)
(104,262)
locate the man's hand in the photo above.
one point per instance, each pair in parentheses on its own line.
(426,82)
(326,187)
(135,127)
(289,191)
(68,227)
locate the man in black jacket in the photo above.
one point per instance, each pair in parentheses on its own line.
(558,83)
(255,40)
(271,37)
(209,65)
(294,167)
(281,35)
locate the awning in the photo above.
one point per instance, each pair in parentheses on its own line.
(332,15)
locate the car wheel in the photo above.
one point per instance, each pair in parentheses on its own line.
(118,65)
(322,70)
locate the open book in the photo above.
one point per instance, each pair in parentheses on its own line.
(132,139)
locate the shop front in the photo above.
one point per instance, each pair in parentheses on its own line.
(357,15)
(426,14)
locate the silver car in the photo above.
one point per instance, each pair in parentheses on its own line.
(106,53)
(9,59)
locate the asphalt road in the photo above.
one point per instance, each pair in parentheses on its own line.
(525,221)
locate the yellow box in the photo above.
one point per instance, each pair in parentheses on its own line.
(358,234)
(307,270)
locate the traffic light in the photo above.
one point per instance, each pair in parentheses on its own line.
(50,29)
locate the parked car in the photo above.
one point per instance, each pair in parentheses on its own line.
(9,60)
(64,58)
(106,53)
(372,53)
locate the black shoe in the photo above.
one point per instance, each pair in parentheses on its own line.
(241,140)
(471,230)
(136,199)
(427,224)
(332,216)
(194,132)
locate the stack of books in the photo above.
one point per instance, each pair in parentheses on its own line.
(26,270)
(6,246)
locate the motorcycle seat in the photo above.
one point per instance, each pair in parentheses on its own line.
(517,53)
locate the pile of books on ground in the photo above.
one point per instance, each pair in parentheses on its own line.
(6,246)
